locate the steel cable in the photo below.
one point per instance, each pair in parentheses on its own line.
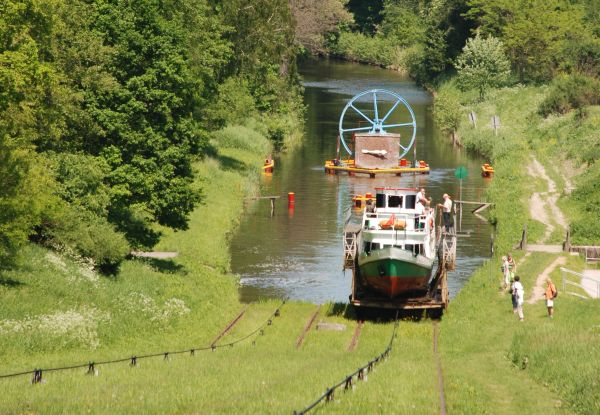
(37,373)
(359,374)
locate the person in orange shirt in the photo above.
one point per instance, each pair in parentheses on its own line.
(550,296)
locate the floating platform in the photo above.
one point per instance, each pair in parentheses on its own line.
(487,170)
(348,166)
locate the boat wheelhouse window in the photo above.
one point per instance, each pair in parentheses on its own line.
(411,201)
(415,249)
(394,201)
(380,200)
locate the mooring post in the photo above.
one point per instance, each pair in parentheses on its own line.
(272,206)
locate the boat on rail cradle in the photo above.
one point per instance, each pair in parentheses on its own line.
(397,244)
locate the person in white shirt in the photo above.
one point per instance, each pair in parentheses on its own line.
(419,210)
(421,197)
(446,209)
(519,293)
(505,272)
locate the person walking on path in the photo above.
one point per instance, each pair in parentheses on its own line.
(505,273)
(519,293)
(512,266)
(550,296)
(446,209)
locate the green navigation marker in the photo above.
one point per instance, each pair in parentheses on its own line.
(461,172)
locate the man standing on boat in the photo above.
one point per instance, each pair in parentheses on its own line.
(421,197)
(446,209)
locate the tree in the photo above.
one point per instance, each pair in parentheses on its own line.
(264,49)
(367,14)
(314,19)
(482,64)
(25,193)
(447,113)
(534,32)
(402,22)
(140,70)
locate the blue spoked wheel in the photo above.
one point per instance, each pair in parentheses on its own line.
(368,113)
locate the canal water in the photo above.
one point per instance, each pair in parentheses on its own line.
(298,253)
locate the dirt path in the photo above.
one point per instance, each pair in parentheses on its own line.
(537,293)
(155,255)
(542,207)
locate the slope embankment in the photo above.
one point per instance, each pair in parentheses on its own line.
(498,364)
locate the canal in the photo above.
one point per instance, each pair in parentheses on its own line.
(298,253)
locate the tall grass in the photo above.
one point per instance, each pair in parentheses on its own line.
(374,50)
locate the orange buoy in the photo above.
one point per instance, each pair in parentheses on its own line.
(291,198)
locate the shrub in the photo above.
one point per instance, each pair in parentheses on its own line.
(89,235)
(570,92)
(366,49)
(482,65)
(447,112)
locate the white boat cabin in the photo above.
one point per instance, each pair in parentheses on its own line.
(396,220)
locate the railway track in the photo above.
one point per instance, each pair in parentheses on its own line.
(307,327)
(438,362)
(229,326)
(355,337)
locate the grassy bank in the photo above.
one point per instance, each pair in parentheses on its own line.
(497,364)
(372,50)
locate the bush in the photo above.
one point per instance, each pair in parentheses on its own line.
(570,92)
(26,190)
(366,49)
(447,112)
(88,235)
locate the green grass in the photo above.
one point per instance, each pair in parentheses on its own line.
(159,305)
(476,342)
(483,343)
(71,315)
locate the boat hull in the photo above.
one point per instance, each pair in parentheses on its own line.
(393,271)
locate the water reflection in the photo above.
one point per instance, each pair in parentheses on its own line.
(298,253)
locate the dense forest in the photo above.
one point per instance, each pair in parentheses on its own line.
(105,104)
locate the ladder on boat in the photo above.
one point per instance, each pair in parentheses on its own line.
(447,248)
(351,232)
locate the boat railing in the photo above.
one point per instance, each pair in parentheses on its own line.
(412,221)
